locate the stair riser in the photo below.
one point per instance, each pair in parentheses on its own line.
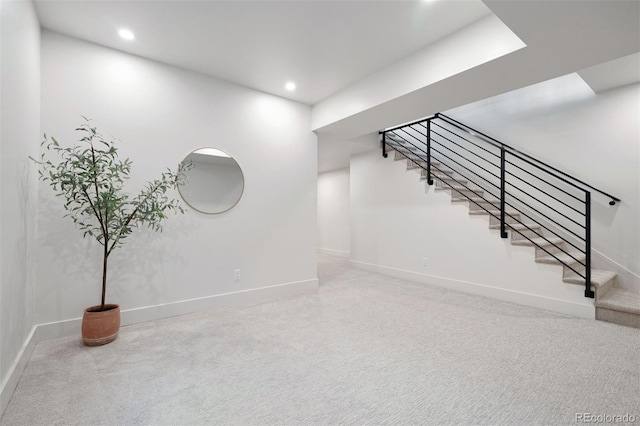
(482,206)
(516,236)
(397,156)
(578,267)
(494,221)
(622,318)
(600,289)
(603,289)
(553,249)
(437,178)
(437,174)
(442,183)
(465,193)
(403,154)
(417,164)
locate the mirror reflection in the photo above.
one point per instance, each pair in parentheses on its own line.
(214,182)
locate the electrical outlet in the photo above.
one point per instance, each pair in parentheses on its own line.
(236,274)
(424,261)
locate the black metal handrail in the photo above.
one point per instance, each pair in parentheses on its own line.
(545,200)
(474,132)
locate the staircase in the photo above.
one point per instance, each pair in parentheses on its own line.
(538,205)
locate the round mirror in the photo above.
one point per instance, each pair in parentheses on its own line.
(214,181)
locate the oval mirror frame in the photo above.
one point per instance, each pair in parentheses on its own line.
(214,183)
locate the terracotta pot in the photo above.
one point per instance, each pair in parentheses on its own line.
(100,327)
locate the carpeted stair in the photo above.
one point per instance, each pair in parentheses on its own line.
(613,304)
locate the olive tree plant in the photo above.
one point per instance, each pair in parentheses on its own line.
(90,178)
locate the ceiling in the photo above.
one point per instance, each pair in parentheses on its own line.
(339,50)
(323,46)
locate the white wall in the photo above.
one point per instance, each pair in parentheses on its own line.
(19,138)
(334,213)
(480,42)
(399,229)
(591,136)
(161,113)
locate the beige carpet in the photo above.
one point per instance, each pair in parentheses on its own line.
(366,349)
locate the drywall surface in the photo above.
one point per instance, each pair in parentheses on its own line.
(593,137)
(333,212)
(160,114)
(481,42)
(399,228)
(19,138)
(561,37)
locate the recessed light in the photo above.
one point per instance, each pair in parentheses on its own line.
(290,86)
(126,34)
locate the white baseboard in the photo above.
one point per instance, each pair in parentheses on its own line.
(582,310)
(219,301)
(12,378)
(70,327)
(332,252)
(252,296)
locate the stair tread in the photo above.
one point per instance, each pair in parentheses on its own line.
(444,176)
(461,188)
(441,171)
(445,186)
(511,212)
(564,257)
(435,175)
(492,212)
(523,227)
(537,241)
(517,226)
(619,299)
(482,199)
(599,277)
(413,163)
(476,203)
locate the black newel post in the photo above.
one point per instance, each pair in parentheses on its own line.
(503,226)
(429,178)
(587,250)
(384,145)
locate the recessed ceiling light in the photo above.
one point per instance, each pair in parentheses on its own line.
(126,34)
(290,86)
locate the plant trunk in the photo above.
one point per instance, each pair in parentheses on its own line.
(104,275)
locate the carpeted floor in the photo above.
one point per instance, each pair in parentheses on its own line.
(367,349)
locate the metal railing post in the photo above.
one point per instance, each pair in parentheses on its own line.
(429,178)
(384,145)
(587,250)
(503,226)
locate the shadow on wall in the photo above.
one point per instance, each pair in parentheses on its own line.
(76,263)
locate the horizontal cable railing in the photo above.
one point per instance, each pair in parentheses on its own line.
(541,204)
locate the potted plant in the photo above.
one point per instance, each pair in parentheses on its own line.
(90,178)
